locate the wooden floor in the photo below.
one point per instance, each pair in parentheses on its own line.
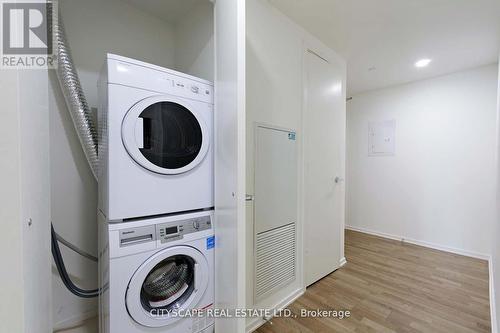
(390,286)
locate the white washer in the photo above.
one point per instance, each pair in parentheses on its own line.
(153,271)
(155,140)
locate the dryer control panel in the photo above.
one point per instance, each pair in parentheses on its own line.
(134,73)
(172,231)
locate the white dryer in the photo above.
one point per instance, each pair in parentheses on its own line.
(155,140)
(155,272)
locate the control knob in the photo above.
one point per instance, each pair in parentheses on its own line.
(196,224)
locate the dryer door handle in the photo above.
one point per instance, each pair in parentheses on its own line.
(139,133)
(196,276)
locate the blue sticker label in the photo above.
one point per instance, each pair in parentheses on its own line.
(210,242)
(291,136)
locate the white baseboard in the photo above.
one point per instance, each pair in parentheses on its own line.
(343,261)
(422,243)
(494,323)
(255,323)
(74,321)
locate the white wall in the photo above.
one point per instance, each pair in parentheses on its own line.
(194,41)
(229,151)
(93,28)
(439,187)
(495,279)
(274,76)
(35,198)
(11,252)
(24,194)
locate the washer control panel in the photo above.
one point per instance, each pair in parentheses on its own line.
(172,231)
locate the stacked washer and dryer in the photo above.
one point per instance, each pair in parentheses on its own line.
(156,236)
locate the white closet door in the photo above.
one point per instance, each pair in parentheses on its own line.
(324,142)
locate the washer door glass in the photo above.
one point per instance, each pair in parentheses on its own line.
(169,284)
(171,134)
(173,279)
(165,135)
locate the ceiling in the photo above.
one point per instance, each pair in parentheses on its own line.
(168,10)
(382,39)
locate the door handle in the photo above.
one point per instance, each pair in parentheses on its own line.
(139,133)
(338,180)
(196,277)
(249,197)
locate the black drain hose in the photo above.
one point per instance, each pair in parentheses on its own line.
(61,268)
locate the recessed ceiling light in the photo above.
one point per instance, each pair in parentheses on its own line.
(423,63)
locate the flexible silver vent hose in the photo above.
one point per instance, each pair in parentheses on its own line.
(75,99)
(82,120)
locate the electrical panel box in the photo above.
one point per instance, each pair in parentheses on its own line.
(381,138)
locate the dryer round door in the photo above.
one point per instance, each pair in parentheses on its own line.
(171,281)
(165,135)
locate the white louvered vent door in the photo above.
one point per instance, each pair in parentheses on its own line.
(275,260)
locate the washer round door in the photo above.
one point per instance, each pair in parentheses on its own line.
(165,135)
(171,281)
